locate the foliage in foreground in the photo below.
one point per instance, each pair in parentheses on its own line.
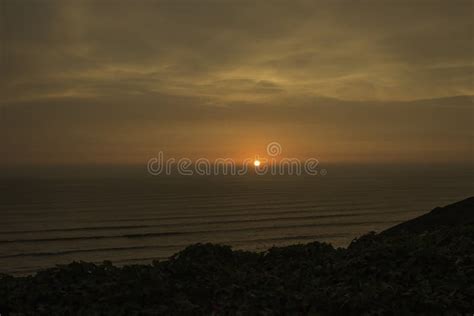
(429,273)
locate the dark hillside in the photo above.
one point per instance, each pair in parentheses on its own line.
(456,214)
(398,272)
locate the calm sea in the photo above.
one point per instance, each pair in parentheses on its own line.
(54,217)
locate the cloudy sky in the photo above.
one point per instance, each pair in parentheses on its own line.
(344,81)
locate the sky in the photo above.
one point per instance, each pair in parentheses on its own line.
(115,82)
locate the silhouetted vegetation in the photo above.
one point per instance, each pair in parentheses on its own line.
(423,271)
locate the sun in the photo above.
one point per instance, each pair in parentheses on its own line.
(256,163)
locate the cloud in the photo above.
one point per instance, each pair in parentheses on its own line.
(88,77)
(325,48)
(130,128)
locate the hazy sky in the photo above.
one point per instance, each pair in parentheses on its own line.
(118,81)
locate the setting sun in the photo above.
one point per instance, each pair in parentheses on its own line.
(256,163)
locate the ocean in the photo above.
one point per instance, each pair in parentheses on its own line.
(128,216)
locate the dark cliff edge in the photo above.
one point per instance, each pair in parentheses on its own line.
(456,214)
(424,266)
